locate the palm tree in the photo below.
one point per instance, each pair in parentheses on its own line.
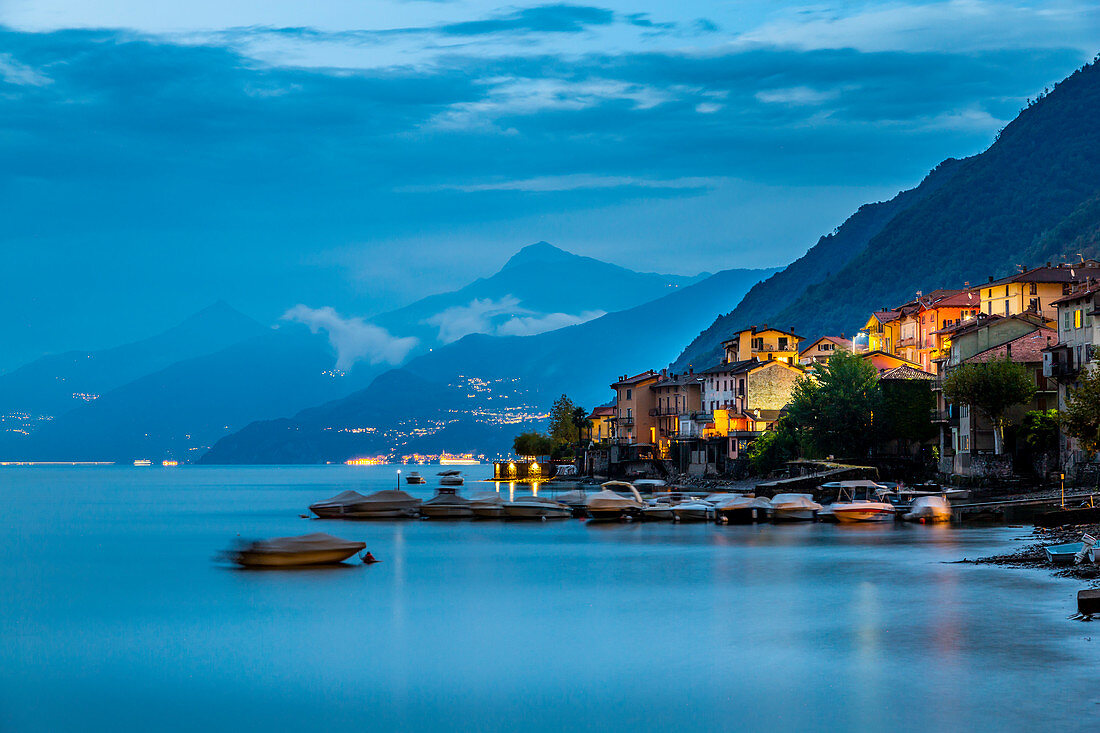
(580,421)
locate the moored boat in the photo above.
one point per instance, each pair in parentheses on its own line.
(1064,554)
(739,509)
(536,507)
(693,510)
(450,478)
(285,552)
(415,478)
(337,506)
(577,500)
(860,501)
(657,510)
(387,504)
(929,509)
(487,505)
(447,504)
(608,505)
(794,508)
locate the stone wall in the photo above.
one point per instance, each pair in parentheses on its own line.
(770,387)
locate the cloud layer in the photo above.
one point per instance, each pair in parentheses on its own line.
(502,317)
(353,338)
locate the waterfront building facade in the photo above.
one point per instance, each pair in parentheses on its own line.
(819,351)
(634,421)
(762,343)
(1035,290)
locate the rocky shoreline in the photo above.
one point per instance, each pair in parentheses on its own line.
(1033,556)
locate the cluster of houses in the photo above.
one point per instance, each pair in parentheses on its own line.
(702,420)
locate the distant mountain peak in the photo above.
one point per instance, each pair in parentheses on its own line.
(541,253)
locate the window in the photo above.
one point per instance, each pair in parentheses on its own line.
(782,343)
(1006,307)
(741,387)
(628,394)
(1077,318)
(1032,289)
(1065,320)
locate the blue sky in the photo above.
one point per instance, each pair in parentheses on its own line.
(358,155)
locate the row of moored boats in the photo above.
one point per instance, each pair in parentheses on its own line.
(857,501)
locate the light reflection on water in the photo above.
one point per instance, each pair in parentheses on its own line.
(117,617)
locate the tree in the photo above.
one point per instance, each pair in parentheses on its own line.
(905,414)
(842,407)
(580,422)
(1081,418)
(992,387)
(532,444)
(1040,430)
(563,430)
(772,449)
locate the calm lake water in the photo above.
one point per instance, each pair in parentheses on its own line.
(116,615)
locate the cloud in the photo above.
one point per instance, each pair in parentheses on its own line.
(531,325)
(540,19)
(353,338)
(13,72)
(482,315)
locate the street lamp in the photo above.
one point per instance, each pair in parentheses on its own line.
(399,479)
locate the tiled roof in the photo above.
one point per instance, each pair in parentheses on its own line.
(602,411)
(763,328)
(1057,274)
(1027,348)
(727,367)
(906,372)
(952,299)
(846,343)
(648,374)
(677,380)
(1076,295)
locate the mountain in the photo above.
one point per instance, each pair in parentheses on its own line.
(1033,196)
(54,384)
(831,253)
(181,410)
(540,288)
(476,394)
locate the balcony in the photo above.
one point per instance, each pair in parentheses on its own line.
(625,420)
(663,411)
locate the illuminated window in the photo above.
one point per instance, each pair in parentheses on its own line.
(1077,318)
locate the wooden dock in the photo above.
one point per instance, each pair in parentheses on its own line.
(1009,510)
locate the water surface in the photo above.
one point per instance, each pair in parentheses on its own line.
(117,616)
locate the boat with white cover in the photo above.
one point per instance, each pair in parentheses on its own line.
(286,552)
(536,507)
(794,508)
(576,499)
(387,504)
(859,501)
(450,478)
(693,510)
(338,506)
(415,478)
(447,504)
(737,509)
(657,510)
(487,505)
(929,509)
(608,505)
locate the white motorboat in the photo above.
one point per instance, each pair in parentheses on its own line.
(487,505)
(794,508)
(285,552)
(649,484)
(860,501)
(387,504)
(694,510)
(536,507)
(577,500)
(609,505)
(337,506)
(450,478)
(447,504)
(737,509)
(657,510)
(929,509)
(415,478)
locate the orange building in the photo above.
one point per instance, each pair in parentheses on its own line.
(763,343)
(634,420)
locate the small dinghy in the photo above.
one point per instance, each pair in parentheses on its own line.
(1064,554)
(289,552)
(338,506)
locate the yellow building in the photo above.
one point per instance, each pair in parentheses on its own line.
(763,343)
(882,330)
(1035,290)
(634,420)
(599,423)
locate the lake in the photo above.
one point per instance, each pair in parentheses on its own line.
(117,615)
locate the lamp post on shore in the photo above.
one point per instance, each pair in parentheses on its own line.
(399,479)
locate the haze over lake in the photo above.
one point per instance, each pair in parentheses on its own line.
(118,615)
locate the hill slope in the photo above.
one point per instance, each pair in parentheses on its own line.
(476,394)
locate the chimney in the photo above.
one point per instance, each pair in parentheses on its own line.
(990,278)
(1049,263)
(966,285)
(664,372)
(1008,350)
(691,369)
